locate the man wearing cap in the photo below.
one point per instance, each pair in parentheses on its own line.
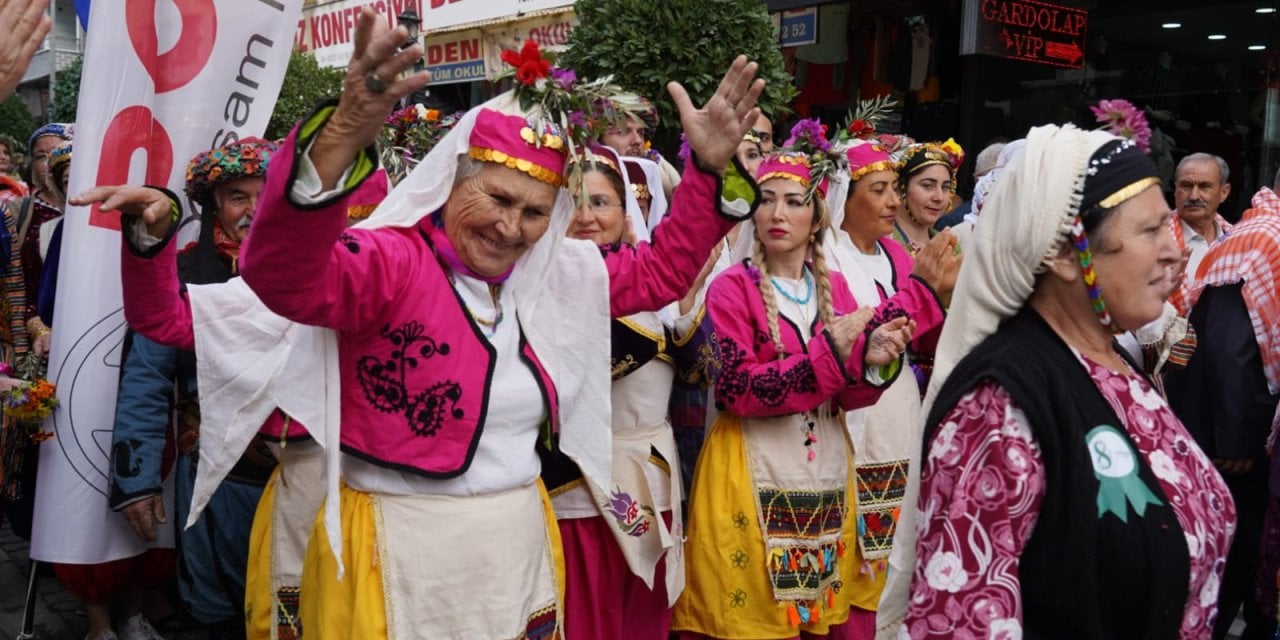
(225,183)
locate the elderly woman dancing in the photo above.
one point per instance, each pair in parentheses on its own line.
(1061,497)
(469,333)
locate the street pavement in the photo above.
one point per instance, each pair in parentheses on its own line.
(58,614)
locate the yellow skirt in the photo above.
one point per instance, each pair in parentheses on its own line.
(727,592)
(261,603)
(355,606)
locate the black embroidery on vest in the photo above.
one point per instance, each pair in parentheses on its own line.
(383,381)
(349,241)
(771,387)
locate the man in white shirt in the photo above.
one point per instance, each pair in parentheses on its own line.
(1200,185)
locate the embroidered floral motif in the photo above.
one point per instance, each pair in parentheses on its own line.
(633,518)
(619,368)
(739,559)
(383,380)
(128,464)
(349,241)
(738,599)
(740,521)
(884,313)
(771,386)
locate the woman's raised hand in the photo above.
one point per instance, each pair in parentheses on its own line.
(370,91)
(715,130)
(938,265)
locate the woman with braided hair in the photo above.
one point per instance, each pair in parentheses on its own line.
(770,544)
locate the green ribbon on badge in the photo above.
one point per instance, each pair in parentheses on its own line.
(1115,465)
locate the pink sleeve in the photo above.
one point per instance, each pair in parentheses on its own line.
(652,275)
(914,298)
(750,388)
(154,303)
(305,264)
(980,493)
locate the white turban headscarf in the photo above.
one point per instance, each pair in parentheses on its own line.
(1026,217)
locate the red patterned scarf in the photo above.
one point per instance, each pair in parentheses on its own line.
(1252,254)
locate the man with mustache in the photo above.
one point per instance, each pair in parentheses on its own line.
(1227,397)
(1200,185)
(224,183)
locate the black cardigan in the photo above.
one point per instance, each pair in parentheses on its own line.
(1084,573)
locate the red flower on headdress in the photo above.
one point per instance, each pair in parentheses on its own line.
(529,63)
(861,129)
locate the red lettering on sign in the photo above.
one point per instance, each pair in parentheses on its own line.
(133,129)
(181,64)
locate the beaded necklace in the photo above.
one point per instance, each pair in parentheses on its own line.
(808,295)
(495,294)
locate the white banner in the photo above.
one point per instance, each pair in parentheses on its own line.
(325,29)
(162,81)
(551,32)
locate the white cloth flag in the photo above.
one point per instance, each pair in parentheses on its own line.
(162,81)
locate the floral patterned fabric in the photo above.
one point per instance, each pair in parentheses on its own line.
(982,488)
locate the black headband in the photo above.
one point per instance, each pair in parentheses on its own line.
(1117,171)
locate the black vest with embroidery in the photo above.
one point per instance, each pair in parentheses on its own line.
(1083,576)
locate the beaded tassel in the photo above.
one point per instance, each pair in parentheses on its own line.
(1084,254)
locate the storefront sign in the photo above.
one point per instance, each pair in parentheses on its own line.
(550,32)
(1029,30)
(798,27)
(445,14)
(325,30)
(455,57)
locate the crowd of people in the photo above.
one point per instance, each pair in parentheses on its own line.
(547,385)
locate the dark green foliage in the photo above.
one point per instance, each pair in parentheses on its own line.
(66,92)
(645,44)
(17,123)
(305,84)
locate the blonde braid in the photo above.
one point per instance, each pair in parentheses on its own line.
(770,301)
(822,273)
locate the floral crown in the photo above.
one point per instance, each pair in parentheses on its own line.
(864,121)
(565,113)
(806,157)
(246,158)
(408,135)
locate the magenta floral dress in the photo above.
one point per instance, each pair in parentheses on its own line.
(981,491)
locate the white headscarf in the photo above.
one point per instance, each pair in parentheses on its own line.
(561,291)
(1026,217)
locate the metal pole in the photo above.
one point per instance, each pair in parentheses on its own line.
(29,611)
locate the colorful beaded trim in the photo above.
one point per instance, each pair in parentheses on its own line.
(544,174)
(883,165)
(1085,255)
(781,174)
